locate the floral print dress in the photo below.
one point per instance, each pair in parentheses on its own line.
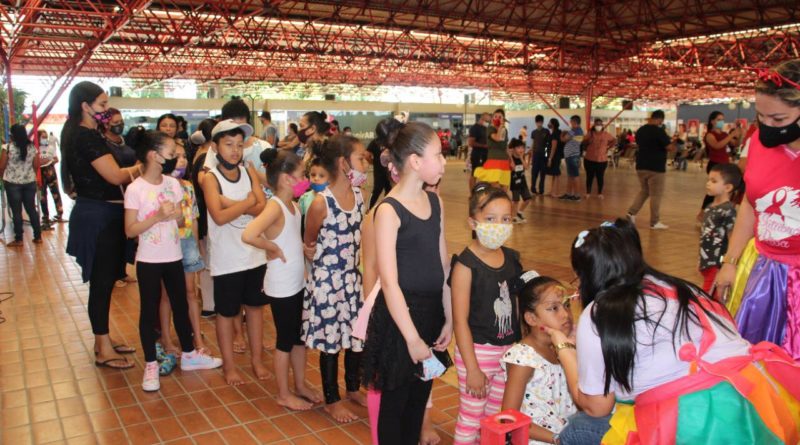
(333,289)
(547,400)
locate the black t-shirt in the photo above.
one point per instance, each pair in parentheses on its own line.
(517,174)
(86,146)
(478,132)
(559,155)
(493,316)
(652,154)
(541,142)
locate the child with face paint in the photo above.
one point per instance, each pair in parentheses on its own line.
(152,208)
(192,260)
(537,384)
(277,231)
(233,197)
(484,287)
(333,292)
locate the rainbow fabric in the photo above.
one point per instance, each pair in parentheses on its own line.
(494,170)
(749,399)
(746,263)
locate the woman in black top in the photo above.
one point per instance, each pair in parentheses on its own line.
(555,156)
(96,233)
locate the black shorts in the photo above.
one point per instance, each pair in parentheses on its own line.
(233,290)
(520,192)
(478,157)
(287,313)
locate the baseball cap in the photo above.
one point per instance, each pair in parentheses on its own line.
(230,124)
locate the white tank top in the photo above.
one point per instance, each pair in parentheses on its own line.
(227,252)
(286,279)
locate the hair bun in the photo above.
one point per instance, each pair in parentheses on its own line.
(134,137)
(387,130)
(268,156)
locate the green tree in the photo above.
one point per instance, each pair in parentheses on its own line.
(19,106)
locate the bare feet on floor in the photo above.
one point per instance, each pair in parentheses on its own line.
(239,346)
(357,397)
(340,413)
(309,394)
(294,403)
(232,376)
(260,371)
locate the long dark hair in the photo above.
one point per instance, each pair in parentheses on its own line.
(20,138)
(319,120)
(609,262)
(711,117)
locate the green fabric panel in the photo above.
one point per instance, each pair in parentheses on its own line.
(720,415)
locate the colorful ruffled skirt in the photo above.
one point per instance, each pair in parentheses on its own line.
(741,400)
(494,171)
(746,263)
(770,305)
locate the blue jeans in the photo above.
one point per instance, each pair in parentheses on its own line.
(583,429)
(20,195)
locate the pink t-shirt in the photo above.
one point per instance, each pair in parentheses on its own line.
(160,243)
(656,361)
(773,189)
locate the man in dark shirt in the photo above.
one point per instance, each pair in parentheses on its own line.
(540,138)
(479,145)
(651,166)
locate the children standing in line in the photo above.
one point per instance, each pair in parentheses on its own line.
(233,198)
(277,231)
(723,185)
(536,384)
(519,184)
(152,206)
(333,291)
(410,315)
(484,286)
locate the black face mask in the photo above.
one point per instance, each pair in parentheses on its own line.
(117,129)
(169,165)
(226,164)
(771,137)
(302,136)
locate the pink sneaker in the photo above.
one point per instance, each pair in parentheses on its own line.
(150,381)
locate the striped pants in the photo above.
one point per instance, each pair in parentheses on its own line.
(472,409)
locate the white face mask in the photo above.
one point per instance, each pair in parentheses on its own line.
(598,128)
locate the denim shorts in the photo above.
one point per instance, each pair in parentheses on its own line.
(573,166)
(192,261)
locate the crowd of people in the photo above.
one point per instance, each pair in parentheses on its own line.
(284,222)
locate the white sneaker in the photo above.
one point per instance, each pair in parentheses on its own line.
(192,361)
(659,226)
(631,218)
(150,381)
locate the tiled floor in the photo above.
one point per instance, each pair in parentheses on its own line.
(51,392)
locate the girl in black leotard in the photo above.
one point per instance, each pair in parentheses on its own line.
(411,319)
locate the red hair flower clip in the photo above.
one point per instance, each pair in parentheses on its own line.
(768,75)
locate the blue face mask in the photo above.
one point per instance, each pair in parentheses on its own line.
(720,125)
(318,187)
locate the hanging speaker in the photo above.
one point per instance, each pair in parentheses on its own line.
(627,105)
(115,91)
(330,97)
(563,102)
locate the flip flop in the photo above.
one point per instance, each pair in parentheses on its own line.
(124,349)
(121,349)
(107,363)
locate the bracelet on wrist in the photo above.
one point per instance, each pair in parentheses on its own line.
(729,259)
(564,345)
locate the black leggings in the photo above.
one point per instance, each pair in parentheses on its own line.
(380,184)
(401,413)
(105,271)
(150,276)
(329,370)
(538,172)
(595,170)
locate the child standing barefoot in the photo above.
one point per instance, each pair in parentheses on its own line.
(233,197)
(410,315)
(485,316)
(333,292)
(536,383)
(277,231)
(152,206)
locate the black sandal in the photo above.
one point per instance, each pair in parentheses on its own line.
(107,364)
